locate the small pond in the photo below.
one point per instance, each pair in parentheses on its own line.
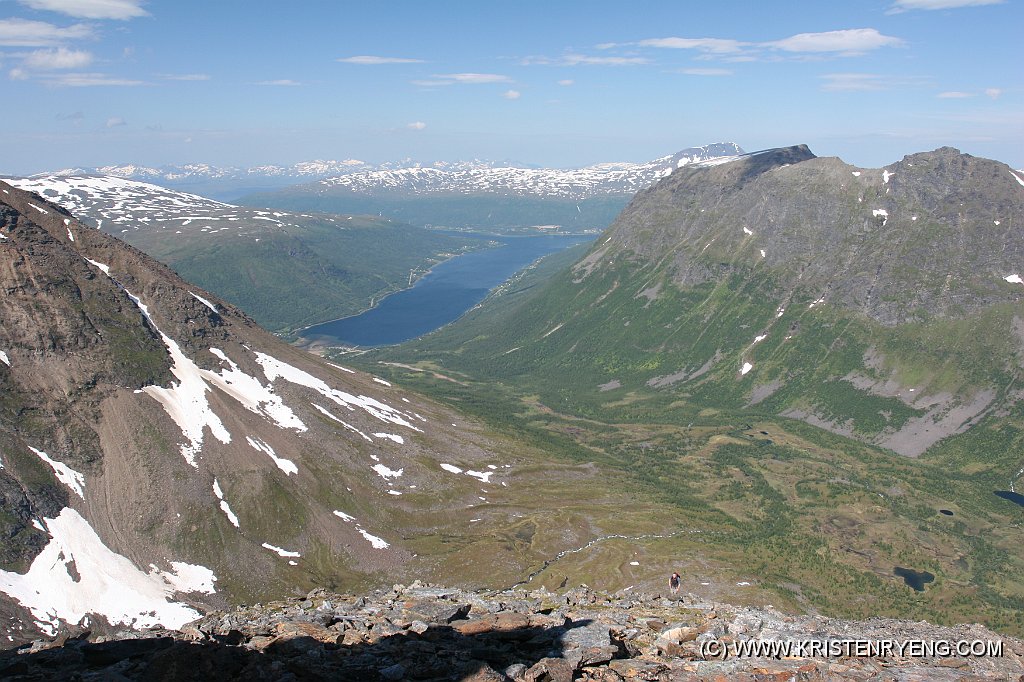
(915,579)
(1016,498)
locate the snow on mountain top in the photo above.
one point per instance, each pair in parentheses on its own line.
(131,204)
(481,175)
(610,178)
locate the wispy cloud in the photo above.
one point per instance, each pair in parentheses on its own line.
(91,9)
(286,82)
(60,58)
(848,41)
(565,82)
(845,42)
(444,79)
(85,80)
(573,59)
(906,5)
(372,60)
(185,77)
(474,78)
(116,122)
(867,82)
(28,33)
(512,94)
(706,72)
(993,93)
(714,45)
(416,125)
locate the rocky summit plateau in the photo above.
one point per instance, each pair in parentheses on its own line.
(434,633)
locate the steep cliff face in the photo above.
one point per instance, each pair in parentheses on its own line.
(160,452)
(933,235)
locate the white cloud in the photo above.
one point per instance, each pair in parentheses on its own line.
(853,82)
(954,94)
(116,122)
(715,45)
(993,92)
(27,33)
(91,9)
(85,80)
(706,72)
(566,82)
(511,94)
(287,82)
(573,59)
(849,41)
(17,74)
(905,5)
(474,78)
(185,77)
(373,60)
(60,58)
(416,125)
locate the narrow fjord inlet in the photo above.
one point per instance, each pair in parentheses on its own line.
(443,295)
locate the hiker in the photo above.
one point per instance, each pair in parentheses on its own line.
(673,583)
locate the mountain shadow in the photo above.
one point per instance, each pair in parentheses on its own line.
(481,649)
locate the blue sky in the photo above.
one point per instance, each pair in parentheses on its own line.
(231,82)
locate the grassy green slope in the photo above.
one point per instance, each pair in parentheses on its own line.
(478,212)
(315,271)
(813,518)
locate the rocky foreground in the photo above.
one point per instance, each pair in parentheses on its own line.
(425,632)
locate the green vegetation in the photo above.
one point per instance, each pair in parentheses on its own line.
(648,387)
(479,212)
(292,277)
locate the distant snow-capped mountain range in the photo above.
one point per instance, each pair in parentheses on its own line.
(577,183)
(408,176)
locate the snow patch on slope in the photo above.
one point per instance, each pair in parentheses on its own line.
(275,369)
(280,552)
(64,473)
(286,465)
(224,504)
(76,574)
(203,301)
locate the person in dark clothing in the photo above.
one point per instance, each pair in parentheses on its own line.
(673,583)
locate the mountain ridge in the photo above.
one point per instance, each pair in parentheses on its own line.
(505,198)
(288,269)
(326,169)
(159,452)
(756,343)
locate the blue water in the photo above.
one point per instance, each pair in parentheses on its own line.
(1016,498)
(443,295)
(915,579)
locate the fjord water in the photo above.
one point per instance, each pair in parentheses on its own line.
(443,295)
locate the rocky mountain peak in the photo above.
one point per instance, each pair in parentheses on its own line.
(828,228)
